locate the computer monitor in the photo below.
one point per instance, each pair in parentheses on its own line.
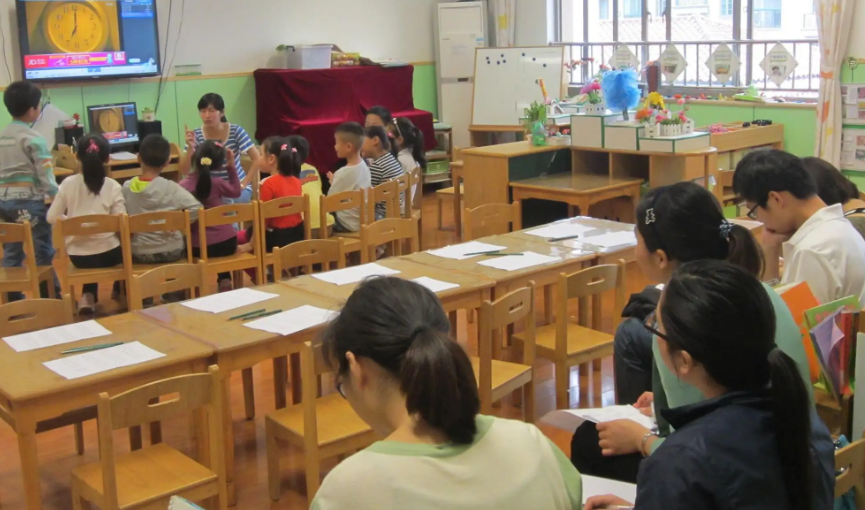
(118,123)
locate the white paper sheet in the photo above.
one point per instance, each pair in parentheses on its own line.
(460,251)
(56,336)
(594,486)
(354,274)
(292,321)
(94,362)
(570,419)
(515,263)
(435,285)
(225,301)
(123,156)
(560,230)
(611,239)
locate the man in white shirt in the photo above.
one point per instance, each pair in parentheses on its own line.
(818,244)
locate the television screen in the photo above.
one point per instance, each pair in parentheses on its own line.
(118,123)
(75,39)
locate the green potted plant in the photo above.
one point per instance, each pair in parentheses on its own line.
(536,120)
(148,114)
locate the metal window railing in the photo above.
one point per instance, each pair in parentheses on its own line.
(805,78)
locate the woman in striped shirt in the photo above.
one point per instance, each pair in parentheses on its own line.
(381,149)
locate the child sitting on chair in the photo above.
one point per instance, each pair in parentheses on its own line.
(381,149)
(311,181)
(354,176)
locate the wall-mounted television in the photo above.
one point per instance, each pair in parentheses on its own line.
(65,40)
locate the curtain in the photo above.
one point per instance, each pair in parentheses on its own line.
(505,13)
(834,23)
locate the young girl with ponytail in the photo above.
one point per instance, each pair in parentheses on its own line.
(755,442)
(410,140)
(86,193)
(210,191)
(403,374)
(381,149)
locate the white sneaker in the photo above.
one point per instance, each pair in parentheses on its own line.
(87,303)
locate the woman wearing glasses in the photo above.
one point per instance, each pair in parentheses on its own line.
(753,441)
(402,373)
(675,224)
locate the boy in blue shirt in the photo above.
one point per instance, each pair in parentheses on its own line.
(26,177)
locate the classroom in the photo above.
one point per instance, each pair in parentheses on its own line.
(432,254)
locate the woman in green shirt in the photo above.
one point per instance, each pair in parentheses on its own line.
(402,373)
(675,224)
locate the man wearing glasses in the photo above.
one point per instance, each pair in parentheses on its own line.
(819,246)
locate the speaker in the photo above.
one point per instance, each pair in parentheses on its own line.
(68,136)
(153,127)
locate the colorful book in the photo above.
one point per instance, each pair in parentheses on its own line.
(799,299)
(828,340)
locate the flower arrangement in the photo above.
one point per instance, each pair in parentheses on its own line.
(72,123)
(644,115)
(592,90)
(536,112)
(655,101)
(574,64)
(536,118)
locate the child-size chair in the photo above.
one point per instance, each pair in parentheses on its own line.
(307,254)
(492,219)
(277,208)
(387,193)
(29,276)
(164,279)
(341,202)
(391,231)
(229,215)
(160,221)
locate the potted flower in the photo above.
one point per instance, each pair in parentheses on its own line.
(73,122)
(595,102)
(148,114)
(536,119)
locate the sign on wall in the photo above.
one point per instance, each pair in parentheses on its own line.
(623,58)
(723,64)
(778,64)
(673,64)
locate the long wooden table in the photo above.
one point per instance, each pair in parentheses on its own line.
(579,190)
(30,392)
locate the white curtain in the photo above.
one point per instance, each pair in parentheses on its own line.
(834,23)
(504,13)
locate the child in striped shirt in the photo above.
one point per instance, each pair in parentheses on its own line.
(381,149)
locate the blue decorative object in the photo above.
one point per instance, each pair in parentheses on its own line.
(621,91)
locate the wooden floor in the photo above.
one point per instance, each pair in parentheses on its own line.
(57,454)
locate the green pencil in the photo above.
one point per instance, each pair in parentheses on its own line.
(565,238)
(247,314)
(91,348)
(259,316)
(503,254)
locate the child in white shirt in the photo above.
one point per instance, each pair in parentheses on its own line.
(410,140)
(354,176)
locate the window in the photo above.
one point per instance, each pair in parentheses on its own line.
(767,13)
(726,7)
(604,9)
(633,9)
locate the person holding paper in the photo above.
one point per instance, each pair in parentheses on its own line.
(675,224)
(755,442)
(403,374)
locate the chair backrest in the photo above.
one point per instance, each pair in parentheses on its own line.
(495,316)
(312,366)
(22,233)
(165,279)
(585,284)
(723,184)
(184,394)
(416,178)
(163,221)
(387,192)
(95,224)
(30,315)
(284,206)
(404,184)
(225,215)
(388,231)
(307,253)
(850,462)
(492,219)
(341,202)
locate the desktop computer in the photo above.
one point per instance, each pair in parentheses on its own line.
(118,123)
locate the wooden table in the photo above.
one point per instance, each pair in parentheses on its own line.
(584,245)
(579,190)
(30,392)
(236,347)
(67,160)
(457,181)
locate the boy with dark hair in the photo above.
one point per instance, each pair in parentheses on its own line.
(354,176)
(151,193)
(818,244)
(26,177)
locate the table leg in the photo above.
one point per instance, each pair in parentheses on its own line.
(296,384)
(280,377)
(248,393)
(548,304)
(228,439)
(458,209)
(452,317)
(30,468)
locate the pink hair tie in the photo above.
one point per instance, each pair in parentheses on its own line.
(390,135)
(93,147)
(218,144)
(284,147)
(293,150)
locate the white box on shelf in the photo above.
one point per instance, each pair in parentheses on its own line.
(624,135)
(308,56)
(587,130)
(676,144)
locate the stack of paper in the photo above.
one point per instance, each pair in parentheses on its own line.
(517,262)
(570,419)
(560,230)
(94,362)
(123,156)
(56,336)
(225,301)
(435,285)
(463,251)
(354,274)
(611,239)
(594,486)
(292,321)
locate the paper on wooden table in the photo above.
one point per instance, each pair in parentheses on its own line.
(294,320)
(354,274)
(56,336)
(570,419)
(560,230)
(611,239)
(462,251)
(515,263)
(594,486)
(94,362)
(435,285)
(225,301)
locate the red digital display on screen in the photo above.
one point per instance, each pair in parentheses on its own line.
(75,60)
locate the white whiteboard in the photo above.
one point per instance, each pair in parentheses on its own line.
(506,82)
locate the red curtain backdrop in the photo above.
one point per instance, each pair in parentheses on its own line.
(313,103)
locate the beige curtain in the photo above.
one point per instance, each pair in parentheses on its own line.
(504,13)
(834,22)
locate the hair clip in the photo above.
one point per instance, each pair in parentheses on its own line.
(218,144)
(390,135)
(206,161)
(293,150)
(93,147)
(726,228)
(650,216)
(284,147)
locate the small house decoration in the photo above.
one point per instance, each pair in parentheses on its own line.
(594,99)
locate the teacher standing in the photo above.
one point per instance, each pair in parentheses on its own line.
(216,127)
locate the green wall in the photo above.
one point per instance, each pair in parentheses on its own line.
(177,106)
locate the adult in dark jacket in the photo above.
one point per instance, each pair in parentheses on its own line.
(755,443)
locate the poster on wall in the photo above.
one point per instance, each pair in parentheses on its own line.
(673,64)
(723,64)
(778,64)
(623,58)
(853,103)
(853,149)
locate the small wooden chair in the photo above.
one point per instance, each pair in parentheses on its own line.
(147,478)
(88,226)
(340,202)
(30,315)
(442,195)
(29,276)
(323,427)
(567,344)
(386,192)
(162,221)
(416,202)
(492,219)
(499,378)
(229,215)
(276,208)
(306,254)
(165,279)
(723,188)
(850,462)
(393,231)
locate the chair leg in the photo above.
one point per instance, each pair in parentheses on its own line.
(563,373)
(548,304)
(585,369)
(313,473)
(280,379)
(248,393)
(596,365)
(76,497)
(79,438)
(296,383)
(529,401)
(439,213)
(272,447)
